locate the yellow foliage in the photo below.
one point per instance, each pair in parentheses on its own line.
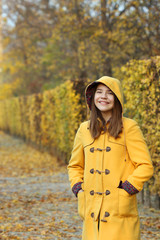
(7,89)
(49,119)
(142,94)
(60,118)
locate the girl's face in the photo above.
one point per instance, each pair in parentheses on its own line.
(104,99)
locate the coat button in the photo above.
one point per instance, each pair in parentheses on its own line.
(107,214)
(107,171)
(92,149)
(108,149)
(92,214)
(107,192)
(92,192)
(103,220)
(92,170)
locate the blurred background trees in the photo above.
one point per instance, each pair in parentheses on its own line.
(48,42)
(45,43)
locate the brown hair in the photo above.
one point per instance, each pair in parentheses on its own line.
(97,122)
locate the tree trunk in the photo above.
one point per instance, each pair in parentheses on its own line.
(105,44)
(142,196)
(103,15)
(157,201)
(1,48)
(147,195)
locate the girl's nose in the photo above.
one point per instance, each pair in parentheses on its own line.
(104,95)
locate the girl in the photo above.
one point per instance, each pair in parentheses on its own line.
(109,164)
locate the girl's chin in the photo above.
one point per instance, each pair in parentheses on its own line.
(105,109)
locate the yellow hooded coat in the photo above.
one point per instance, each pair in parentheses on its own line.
(109,212)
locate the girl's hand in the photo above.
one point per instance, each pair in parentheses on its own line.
(80,191)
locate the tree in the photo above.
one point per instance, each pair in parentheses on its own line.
(48,42)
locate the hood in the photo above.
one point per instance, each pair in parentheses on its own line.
(113,83)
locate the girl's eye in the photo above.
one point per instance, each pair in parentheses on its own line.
(98,92)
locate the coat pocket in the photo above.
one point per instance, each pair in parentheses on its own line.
(127,204)
(81,202)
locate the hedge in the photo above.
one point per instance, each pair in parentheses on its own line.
(48,120)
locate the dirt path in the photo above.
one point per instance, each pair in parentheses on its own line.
(36,200)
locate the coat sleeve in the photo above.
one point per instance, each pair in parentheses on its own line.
(140,157)
(76,163)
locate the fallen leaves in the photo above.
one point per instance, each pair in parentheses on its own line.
(36,202)
(150,223)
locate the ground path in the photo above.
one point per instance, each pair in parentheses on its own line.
(36,202)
